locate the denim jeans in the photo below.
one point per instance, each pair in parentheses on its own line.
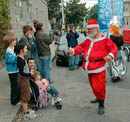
(73,62)
(45,66)
(119,56)
(53,91)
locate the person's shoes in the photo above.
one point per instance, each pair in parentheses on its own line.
(72,69)
(31,111)
(101,110)
(29,116)
(94,101)
(53,101)
(17,103)
(58,99)
(115,79)
(51,82)
(78,68)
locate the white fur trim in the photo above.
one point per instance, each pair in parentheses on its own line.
(95,71)
(96,40)
(111,54)
(73,51)
(93,26)
(90,48)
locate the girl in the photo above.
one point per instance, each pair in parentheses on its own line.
(23,80)
(11,67)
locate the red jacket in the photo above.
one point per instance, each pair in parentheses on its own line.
(94,50)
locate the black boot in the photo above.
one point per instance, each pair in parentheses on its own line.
(101,110)
(94,101)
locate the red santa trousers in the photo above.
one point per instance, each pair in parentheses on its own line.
(98,84)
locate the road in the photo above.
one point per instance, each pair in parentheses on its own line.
(76,94)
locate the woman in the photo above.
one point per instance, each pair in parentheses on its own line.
(117,38)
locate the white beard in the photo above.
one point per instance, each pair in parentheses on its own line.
(92,34)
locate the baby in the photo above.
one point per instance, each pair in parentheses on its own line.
(45,88)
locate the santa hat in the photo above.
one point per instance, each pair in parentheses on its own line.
(92,24)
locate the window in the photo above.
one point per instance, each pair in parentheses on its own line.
(21,8)
(30,12)
(127,21)
(124,7)
(36,12)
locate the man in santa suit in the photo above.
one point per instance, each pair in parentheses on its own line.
(98,50)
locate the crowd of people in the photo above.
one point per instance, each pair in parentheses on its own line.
(22,62)
(32,46)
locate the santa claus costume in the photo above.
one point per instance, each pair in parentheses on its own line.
(94,51)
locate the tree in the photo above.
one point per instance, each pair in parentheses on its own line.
(75,12)
(53,8)
(4,25)
(4,18)
(93,12)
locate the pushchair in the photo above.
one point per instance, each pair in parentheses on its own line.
(35,96)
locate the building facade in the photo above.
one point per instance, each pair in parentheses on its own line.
(127,13)
(23,12)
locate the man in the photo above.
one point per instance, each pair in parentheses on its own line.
(31,66)
(98,50)
(72,42)
(31,63)
(44,52)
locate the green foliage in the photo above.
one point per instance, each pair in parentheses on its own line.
(4,25)
(93,12)
(54,11)
(53,8)
(75,12)
(4,18)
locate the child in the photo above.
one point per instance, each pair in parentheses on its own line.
(11,67)
(43,88)
(27,39)
(23,80)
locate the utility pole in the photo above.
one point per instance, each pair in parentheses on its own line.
(63,16)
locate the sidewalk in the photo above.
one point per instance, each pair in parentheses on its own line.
(7,111)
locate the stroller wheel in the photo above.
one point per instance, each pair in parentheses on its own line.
(58,106)
(35,108)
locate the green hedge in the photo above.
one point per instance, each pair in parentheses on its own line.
(4,24)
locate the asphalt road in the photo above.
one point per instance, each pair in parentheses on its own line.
(76,94)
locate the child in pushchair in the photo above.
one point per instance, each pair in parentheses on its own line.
(46,92)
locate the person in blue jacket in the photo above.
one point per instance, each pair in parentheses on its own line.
(11,67)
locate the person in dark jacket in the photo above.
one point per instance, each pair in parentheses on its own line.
(117,38)
(44,52)
(72,42)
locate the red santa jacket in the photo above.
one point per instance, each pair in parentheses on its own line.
(94,50)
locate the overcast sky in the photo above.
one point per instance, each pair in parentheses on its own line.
(89,3)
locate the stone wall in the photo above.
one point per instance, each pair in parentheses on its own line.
(22,14)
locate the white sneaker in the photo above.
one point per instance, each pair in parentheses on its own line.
(53,101)
(58,99)
(29,116)
(31,111)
